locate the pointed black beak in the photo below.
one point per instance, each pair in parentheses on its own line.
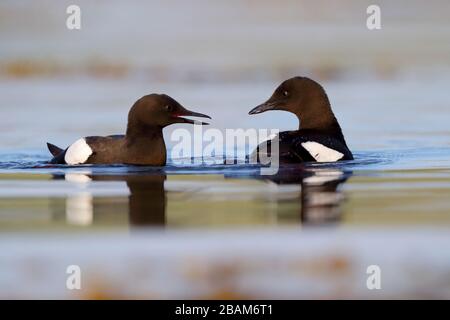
(179,119)
(266,106)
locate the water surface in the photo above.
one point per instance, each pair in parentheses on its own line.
(400,175)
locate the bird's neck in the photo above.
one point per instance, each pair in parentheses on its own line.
(139,135)
(137,130)
(317,115)
(145,145)
(323,122)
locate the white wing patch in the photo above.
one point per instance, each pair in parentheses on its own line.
(322,153)
(78,152)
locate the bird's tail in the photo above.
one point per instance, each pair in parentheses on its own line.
(54,150)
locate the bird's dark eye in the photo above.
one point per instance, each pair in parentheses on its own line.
(169,108)
(285,93)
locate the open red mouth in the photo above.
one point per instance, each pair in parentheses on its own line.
(179,117)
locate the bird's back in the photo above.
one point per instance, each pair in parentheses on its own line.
(308,146)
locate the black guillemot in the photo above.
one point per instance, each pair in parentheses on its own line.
(143,143)
(319,137)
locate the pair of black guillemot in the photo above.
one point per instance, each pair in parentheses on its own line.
(319,137)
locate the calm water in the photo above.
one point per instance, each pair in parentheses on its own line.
(224,231)
(397,128)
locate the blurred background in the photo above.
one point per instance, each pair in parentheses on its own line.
(228,233)
(221,58)
(240,40)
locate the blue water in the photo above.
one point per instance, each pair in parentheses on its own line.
(400,175)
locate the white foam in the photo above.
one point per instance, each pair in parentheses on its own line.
(322,153)
(78,152)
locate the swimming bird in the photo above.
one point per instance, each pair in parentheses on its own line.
(319,137)
(143,143)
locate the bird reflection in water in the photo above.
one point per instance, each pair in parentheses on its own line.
(320,196)
(146,202)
